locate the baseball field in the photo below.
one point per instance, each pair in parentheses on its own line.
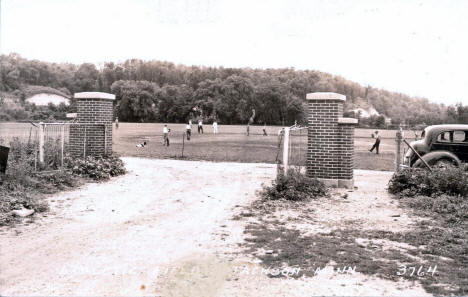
(231,144)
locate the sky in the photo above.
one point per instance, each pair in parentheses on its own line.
(419,48)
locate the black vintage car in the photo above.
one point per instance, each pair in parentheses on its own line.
(441,145)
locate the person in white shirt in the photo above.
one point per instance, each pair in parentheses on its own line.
(166,135)
(377,143)
(200,126)
(215,127)
(188,130)
(400,129)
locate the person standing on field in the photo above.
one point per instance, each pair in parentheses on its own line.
(215,127)
(200,126)
(166,135)
(188,130)
(377,143)
(264,130)
(116,123)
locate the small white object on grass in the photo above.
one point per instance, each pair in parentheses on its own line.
(141,144)
(23,212)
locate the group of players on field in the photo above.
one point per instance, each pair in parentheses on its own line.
(188,130)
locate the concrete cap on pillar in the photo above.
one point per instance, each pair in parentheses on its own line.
(94,95)
(347,121)
(325,96)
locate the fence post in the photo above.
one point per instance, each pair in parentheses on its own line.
(286,150)
(183,144)
(41,142)
(62,139)
(398,151)
(29,138)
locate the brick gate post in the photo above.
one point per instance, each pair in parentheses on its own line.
(93,133)
(330,151)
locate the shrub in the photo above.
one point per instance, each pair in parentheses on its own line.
(294,186)
(412,181)
(52,154)
(97,168)
(20,165)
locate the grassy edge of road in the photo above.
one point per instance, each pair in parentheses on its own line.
(433,249)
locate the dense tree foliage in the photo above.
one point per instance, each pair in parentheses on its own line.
(150,91)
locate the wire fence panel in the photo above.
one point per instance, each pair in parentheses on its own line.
(298,147)
(24,132)
(292,148)
(51,143)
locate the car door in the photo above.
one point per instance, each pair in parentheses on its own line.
(460,144)
(443,142)
(453,141)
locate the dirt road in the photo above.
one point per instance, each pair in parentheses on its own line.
(110,238)
(164,229)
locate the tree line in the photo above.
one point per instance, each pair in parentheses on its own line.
(158,91)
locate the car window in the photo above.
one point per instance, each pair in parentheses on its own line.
(443,137)
(459,136)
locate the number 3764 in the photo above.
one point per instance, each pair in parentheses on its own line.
(416,271)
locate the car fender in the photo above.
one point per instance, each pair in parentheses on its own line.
(432,157)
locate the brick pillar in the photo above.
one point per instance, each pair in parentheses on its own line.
(92,135)
(330,150)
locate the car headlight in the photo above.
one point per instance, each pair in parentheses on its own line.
(408,156)
(406,161)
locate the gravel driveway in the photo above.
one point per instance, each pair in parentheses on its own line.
(163,229)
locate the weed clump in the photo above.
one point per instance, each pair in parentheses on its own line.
(294,186)
(97,168)
(412,182)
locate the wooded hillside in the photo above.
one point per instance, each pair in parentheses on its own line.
(156,91)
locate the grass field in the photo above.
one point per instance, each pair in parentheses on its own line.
(231,144)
